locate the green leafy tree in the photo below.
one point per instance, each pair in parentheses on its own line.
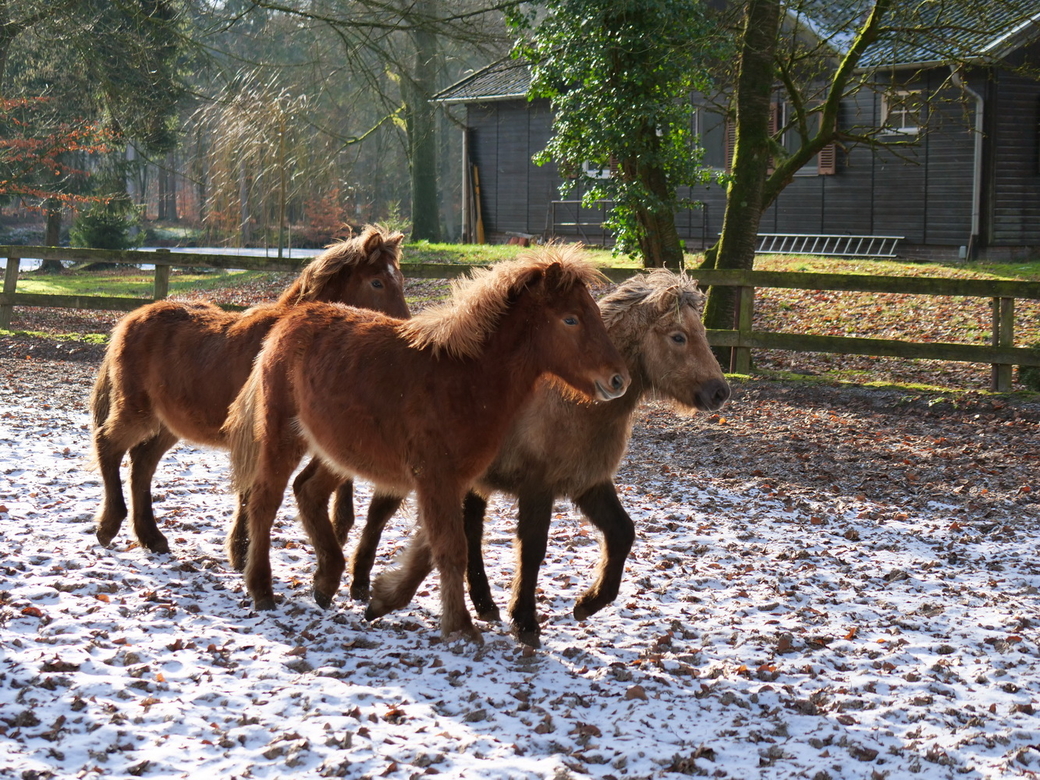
(620,74)
(101,66)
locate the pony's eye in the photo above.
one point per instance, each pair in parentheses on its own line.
(377,283)
(679,338)
(570,320)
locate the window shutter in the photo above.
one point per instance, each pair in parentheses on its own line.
(730,143)
(827,159)
(774,128)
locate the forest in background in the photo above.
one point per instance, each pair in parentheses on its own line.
(220,121)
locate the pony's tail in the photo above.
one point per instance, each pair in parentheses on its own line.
(240,434)
(100,403)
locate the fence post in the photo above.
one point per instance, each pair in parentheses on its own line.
(162,277)
(740,356)
(1003,336)
(10,282)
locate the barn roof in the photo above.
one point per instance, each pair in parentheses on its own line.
(922,34)
(925,34)
(502,80)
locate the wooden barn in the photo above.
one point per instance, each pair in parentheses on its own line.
(969,185)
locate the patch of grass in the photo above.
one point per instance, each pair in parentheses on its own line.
(487,254)
(131,283)
(829,265)
(86,338)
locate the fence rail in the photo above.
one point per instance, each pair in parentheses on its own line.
(1002,355)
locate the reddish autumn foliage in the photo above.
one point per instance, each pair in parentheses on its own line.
(36,154)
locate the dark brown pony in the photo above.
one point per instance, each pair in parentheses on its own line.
(416,405)
(172,369)
(561,447)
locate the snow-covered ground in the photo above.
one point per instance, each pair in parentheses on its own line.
(757,635)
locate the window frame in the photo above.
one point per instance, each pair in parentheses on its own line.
(895,103)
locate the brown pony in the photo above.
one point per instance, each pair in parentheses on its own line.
(420,405)
(171,369)
(561,447)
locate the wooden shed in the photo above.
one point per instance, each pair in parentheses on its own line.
(968,186)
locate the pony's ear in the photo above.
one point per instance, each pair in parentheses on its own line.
(553,276)
(371,240)
(527,279)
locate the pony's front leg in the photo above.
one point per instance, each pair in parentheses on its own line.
(440,541)
(312,488)
(380,511)
(441,516)
(601,505)
(144,458)
(532,530)
(473,509)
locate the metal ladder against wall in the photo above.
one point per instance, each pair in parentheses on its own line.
(830,245)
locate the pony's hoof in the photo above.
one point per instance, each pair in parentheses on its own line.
(360,592)
(529,638)
(470,634)
(324,600)
(158,546)
(265,604)
(104,537)
(490,614)
(583,611)
(372,611)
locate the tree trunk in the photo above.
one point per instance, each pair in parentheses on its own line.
(659,240)
(52,237)
(752,152)
(167,181)
(422,138)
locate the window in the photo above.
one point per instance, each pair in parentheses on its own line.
(593,171)
(902,112)
(710,129)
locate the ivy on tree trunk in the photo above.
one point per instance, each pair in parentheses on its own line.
(752,152)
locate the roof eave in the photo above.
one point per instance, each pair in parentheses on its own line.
(448,101)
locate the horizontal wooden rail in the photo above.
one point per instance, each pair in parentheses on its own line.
(1001,355)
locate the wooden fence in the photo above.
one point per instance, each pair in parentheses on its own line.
(1002,355)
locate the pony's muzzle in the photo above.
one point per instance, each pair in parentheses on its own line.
(615,388)
(712,395)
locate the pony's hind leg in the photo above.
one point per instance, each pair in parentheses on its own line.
(144,458)
(236,545)
(380,510)
(312,489)
(265,496)
(108,455)
(601,505)
(343,510)
(473,509)
(532,531)
(395,587)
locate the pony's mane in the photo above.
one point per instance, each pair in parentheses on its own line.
(373,246)
(645,300)
(460,326)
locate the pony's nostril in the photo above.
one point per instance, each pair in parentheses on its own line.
(617,382)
